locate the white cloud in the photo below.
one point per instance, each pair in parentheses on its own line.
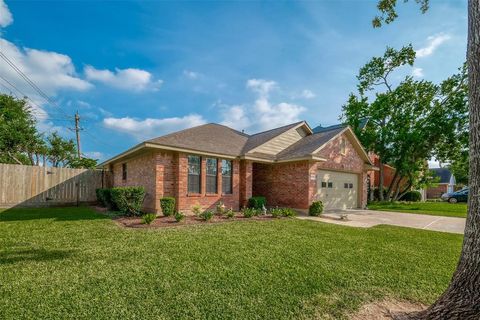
(6,17)
(261,86)
(95,155)
(307,94)
(262,114)
(151,127)
(191,74)
(417,72)
(433,43)
(50,71)
(129,79)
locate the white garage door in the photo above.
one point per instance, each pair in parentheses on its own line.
(337,190)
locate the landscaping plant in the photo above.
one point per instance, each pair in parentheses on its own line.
(168,206)
(250,212)
(148,218)
(412,196)
(197,209)
(287,212)
(230,214)
(316,208)
(276,212)
(128,200)
(220,208)
(257,202)
(206,215)
(103,196)
(179,216)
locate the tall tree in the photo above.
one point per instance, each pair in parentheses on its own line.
(461,300)
(60,151)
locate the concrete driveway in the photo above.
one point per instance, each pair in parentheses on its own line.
(370,218)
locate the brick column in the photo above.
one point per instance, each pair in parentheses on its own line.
(246,177)
(219,176)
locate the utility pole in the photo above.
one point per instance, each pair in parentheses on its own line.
(77,132)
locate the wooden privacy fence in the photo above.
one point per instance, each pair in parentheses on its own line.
(32,186)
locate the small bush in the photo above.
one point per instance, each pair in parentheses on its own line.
(220,208)
(148,218)
(276,212)
(197,209)
(287,212)
(250,212)
(206,215)
(103,196)
(230,214)
(179,216)
(128,200)
(316,208)
(413,196)
(168,206)
(257,202)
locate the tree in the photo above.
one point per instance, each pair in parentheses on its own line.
(17,129)
(85,163)
(60,151)
(405,121)
(461,300)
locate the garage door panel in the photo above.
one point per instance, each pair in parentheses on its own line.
(337,190)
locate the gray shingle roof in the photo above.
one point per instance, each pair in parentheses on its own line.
(309,144)
(443,173)
(211,137)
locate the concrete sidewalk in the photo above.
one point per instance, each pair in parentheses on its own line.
(370,218)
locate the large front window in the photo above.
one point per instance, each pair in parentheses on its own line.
(211,175)
(227,176)
(194,170)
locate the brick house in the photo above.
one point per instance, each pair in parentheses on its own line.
(291,166)
(446,183)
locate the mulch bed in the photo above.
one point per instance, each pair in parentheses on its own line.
(166,222)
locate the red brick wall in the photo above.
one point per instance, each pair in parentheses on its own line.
(348,162)
(186,201)
(285,184)
(246,176)
(140,172)
(437,191)
(166,176)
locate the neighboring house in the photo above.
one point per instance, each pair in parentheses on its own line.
(291,166)
(446,183)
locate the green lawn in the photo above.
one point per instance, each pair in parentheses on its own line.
(75,264)
(431,208)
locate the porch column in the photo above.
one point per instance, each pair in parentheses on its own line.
(245,182)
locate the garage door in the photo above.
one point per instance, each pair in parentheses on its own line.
(337,190)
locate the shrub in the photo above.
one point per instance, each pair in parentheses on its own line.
(230,214)
(250,212)
(206,215)
(376,194)
(148,218)
(257,202)
(128,200)
(316,208)
(104,196)
(220,208)
(168,206)
(179,216)
(413,196)
(197,209)
(287,212)
(276,212)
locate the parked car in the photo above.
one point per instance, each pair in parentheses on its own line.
(459,196)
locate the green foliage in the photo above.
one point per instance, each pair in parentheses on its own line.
(413,196)
(197,209)
(148,218)
(287,212)
(250,212)
(276,212)
(104,197)
(168,206)
(388,11)
(206,215)
(230,214)
(257,202)
(128,200)
(85,163)
(179,216)
(60,151)
(220,208)
(316,208)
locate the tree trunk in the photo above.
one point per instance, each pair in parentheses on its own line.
(391,187)
(380,180)
(462,298)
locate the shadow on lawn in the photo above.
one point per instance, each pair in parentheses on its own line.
(38,255)
(57,214)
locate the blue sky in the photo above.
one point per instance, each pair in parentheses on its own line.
(136,70)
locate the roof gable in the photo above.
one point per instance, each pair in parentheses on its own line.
(443,174)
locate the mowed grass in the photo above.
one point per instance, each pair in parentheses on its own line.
(446,209)
(72,263)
